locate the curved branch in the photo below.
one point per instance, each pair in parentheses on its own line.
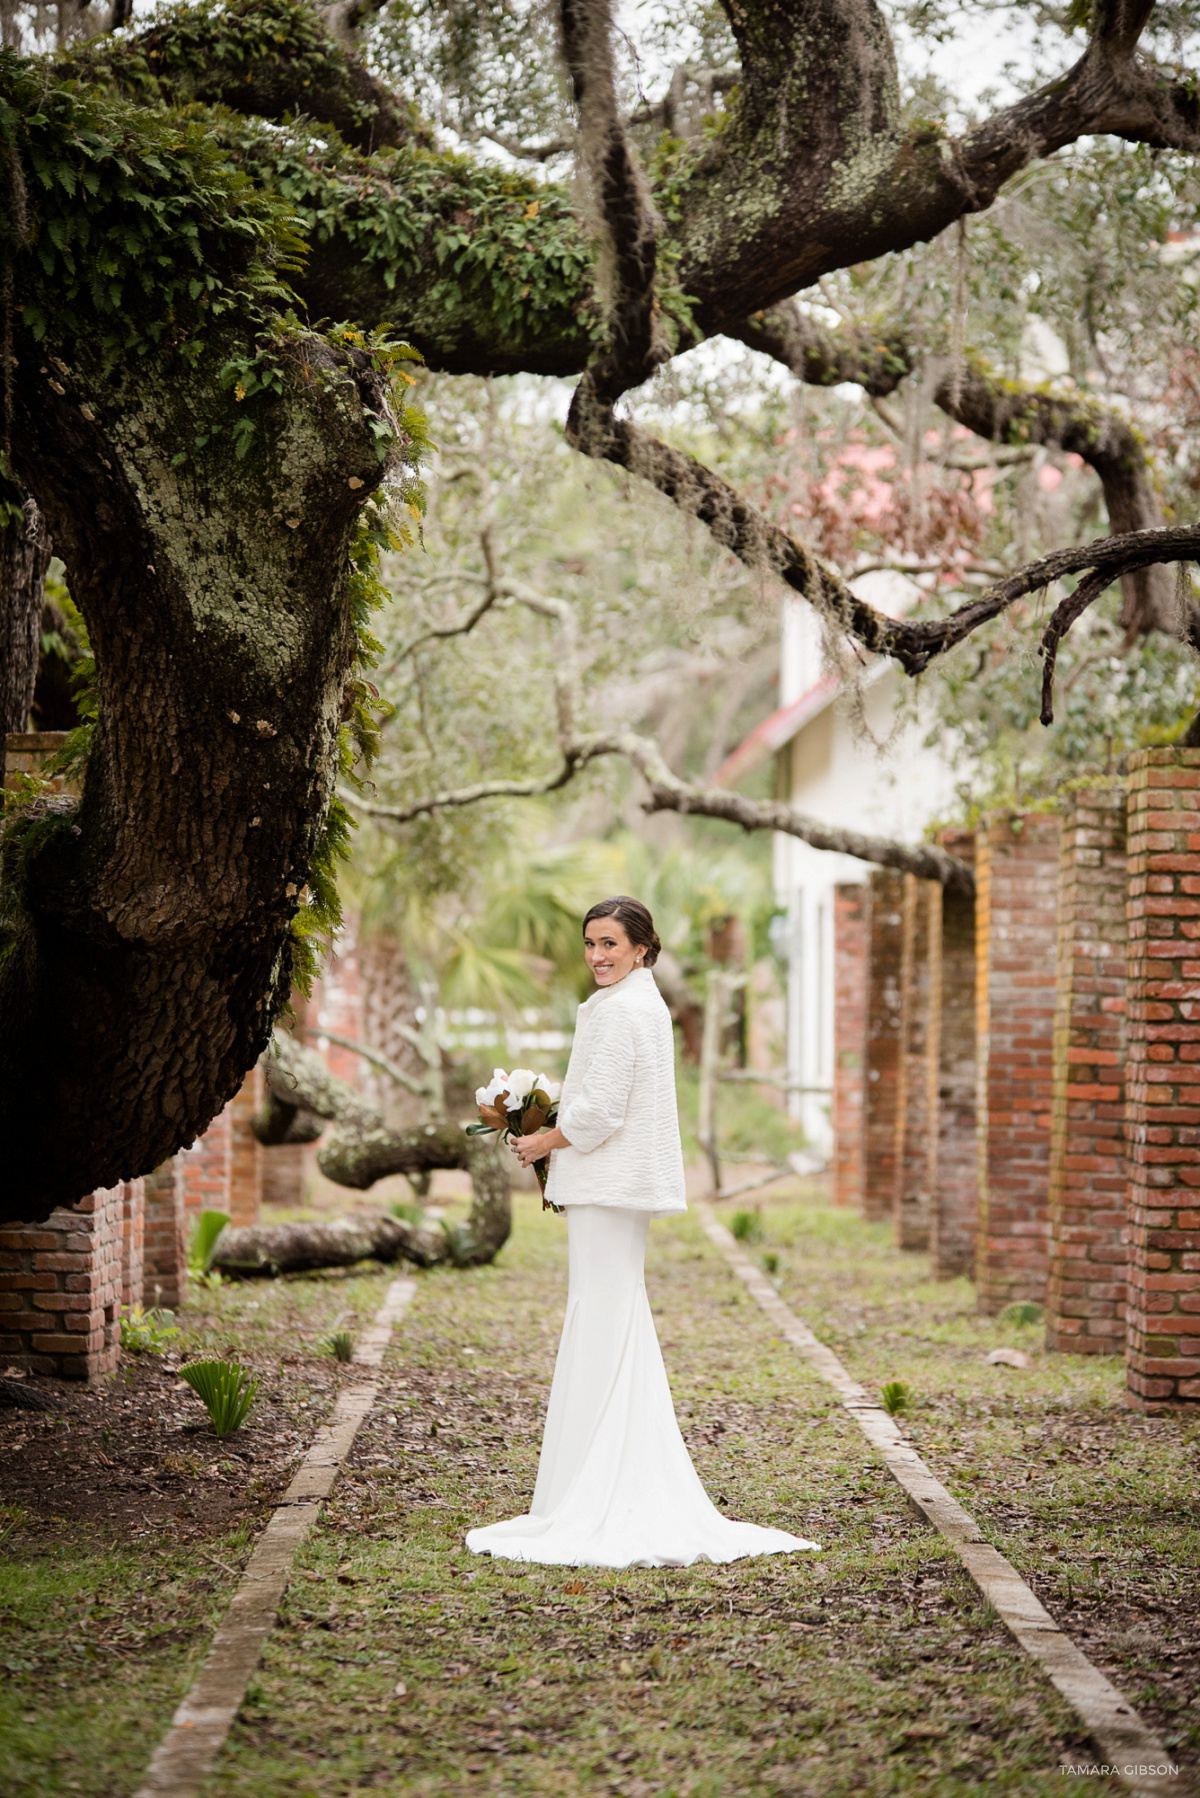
(1000,412)
(362,1149)
(621,198)
(271,59)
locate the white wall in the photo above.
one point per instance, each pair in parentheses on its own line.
(839,776)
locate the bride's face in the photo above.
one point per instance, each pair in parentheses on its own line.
(608,951)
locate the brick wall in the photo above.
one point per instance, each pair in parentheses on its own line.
(133,1241)
(954,1174)
(337,1004)
(851,903)
(1016,915)
(1163,1080)
(885,927)
(916,1101)
(285,1173)
(206,1168)
(165,1269)
(60,1287)
(27,752)
(1085,1293)
(245,1152)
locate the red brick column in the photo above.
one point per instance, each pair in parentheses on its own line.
(337,1005)
(284,1174)
(916,1102)
(1016,919)
(206,1169)
(954,1176)
(885,925)
(1085,1293)
(133,1241)
(245,1152)
(851,903)
(1162,1347)
(165,1272)
(60,1288)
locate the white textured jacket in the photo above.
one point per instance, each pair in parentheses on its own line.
(617,1108)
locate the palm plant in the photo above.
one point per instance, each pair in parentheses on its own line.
(226,1389)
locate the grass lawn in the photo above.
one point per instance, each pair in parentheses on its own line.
(404,1664)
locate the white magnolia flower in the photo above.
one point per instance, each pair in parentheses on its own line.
(552,1089)
(521,1083)
(487,1095)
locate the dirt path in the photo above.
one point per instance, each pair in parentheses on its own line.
(403,1664)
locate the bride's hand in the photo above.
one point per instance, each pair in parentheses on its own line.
(534,1147)
(529,1149)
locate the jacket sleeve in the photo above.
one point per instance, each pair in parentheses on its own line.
(590,1116)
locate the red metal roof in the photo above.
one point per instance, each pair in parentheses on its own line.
(771,735)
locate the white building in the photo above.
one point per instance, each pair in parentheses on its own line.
(881,780)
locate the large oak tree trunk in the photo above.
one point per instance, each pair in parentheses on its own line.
(146,947)
(24,559)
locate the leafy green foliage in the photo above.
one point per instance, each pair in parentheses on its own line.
(747,1226)
(136,230)
(339,1344)
(896,1397)
(147,1332)
(226,1389)
(202,1243)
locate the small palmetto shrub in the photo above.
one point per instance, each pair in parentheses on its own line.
(147,1332)
(896,1397)
(746,1225)
(1024,1312)
(227,1390)
(340,1344)
(202,1246)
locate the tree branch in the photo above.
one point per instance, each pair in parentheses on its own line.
(621,198)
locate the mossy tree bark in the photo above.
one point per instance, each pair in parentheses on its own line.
(146,944)
(24,559)
(361,1149)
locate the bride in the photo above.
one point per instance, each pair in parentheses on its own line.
(615,1484)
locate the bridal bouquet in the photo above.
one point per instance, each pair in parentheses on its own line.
(517,1104)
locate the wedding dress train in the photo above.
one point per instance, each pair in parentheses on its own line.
(615,1484)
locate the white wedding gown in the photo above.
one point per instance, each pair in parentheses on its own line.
(615,1483)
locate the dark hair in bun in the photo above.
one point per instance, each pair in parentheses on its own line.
(639,925)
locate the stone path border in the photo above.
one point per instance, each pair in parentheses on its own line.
(1131,1751)
(199,1727)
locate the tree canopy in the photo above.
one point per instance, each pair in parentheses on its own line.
(223,230)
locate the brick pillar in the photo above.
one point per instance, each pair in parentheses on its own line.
(1162,1345)
(245,1152)
(28,751)
(885,925)
(337,1005)
(916,1103)
(851,903)
(285,1174)
(1085,1294)
(165,1272)
(133,1241)
(954,1176)
(1016,920)
(60,1288)
(206,1169)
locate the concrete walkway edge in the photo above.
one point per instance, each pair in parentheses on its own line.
(202,1722)
(1131,1750)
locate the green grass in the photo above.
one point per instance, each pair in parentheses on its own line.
(870,1668)
(1095,1503)
(97,1646)
(402,1664)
